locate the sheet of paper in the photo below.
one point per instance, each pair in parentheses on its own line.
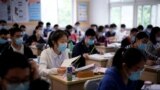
(105,56)
(68,62)
(152,87)
(85,67)
(156,67)
(99,70)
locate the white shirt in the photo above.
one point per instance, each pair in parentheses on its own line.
(50,61)
(19,51)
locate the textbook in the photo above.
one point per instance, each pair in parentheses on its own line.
(68,62)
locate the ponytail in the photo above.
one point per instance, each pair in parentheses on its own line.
(118,58)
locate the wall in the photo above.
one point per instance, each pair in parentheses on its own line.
(98,12)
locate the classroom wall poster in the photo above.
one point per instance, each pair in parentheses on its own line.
(19,9)
(4,10)
(34,10)
(82,11)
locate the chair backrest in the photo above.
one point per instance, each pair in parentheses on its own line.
(92,84)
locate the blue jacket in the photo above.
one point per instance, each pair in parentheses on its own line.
(113,81)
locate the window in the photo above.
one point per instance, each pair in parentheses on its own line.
(115,15)
(64,12)
(122,15)
(57,11)
(144,15)
(115,1)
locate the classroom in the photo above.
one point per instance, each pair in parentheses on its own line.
(79,44)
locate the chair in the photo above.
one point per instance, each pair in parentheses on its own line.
(92,84)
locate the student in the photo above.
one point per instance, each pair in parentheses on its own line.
(140,28)
(36,38)
(25,35)
(153,47)
(106,27)
(17,44)
(47,29)
(3,39)
(121,34)
(52,57)
(140,41)
(130,39)
(3,24)
(112,31)
(55,27)
(40,23)
(17,73)
(94,27)
(148,29)
(125,72)
(100,35)
(84,48)
(15,25)
(72,37)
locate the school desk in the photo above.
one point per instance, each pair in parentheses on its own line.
(104,60)
(60,83)
(151,73)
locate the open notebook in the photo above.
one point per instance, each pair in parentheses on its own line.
(68,62)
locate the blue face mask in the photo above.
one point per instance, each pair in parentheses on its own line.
(21,86)
(142,46)
(3,41)
(19,41)
(90,42)
(133,38)
(136,75)
(62,47)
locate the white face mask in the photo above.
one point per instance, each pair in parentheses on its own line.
(21,86)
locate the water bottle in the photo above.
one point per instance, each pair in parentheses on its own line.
(69,73)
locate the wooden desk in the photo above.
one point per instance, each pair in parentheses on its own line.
(60,83)
(151,74)
(100,60)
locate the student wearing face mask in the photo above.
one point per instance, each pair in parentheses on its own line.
(52,57)
(125,72)
(17,73)
(3,24)
(153,47)
(148,29)
(3,40)
(112,31)
(141,41)
(47,29)
(36,38)
(17,44)
(100,35)
(84,48)
(25,35)
(130,39)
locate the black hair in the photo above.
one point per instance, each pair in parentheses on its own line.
(40,23)
(15,25)
(153,33)
(39,84)
(134,30)
(140,28)
(113,25)
(48,24)
(94,25)
(141,35)
(12,60)
(4,32)
(77,23)
(130,57)
(106,26)
(149,26)
(100,29)
(12,31)
(55,36)
(90,32)
(36,28)
(123,26)
(68,27)
(22,26)
(3,21)
(56,25)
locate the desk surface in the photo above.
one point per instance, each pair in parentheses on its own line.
(77,80)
